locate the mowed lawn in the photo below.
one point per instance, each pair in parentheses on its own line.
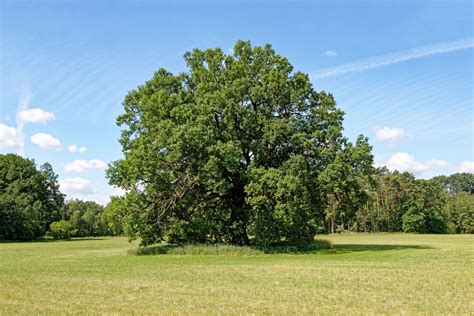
(363,273)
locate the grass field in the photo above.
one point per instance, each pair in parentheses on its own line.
(362,274)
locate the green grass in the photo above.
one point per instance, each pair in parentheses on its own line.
(195,250)
(361,274)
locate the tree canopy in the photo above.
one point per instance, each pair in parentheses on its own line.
(457,183)
(85,217)
(29,198)
(239,147)
(400,202)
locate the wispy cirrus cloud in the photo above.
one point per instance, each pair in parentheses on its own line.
(24,98)
(394,58)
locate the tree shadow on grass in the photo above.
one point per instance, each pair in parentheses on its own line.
(85,238)
(229,250)
(349,248)
(3,241)
(319,246)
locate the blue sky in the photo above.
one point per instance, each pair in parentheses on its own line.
(402,71)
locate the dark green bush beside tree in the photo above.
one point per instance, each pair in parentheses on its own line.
(29,198)
(235,147)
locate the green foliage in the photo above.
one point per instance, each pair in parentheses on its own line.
(414,220)
(114,215)
(239,146)
(281,204)
(343,181)
(29,198)
(61,230)
(457,183)
(460,211)
(399,202)
(86,218)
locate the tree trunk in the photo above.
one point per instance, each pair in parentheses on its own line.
(238,220)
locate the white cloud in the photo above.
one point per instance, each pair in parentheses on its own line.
(389,134)
(394,58)
(83,189)
(45,141)
(75,148)
(434,163)
(9,138)
(103,197)
(406,162)
(24,97)
(83,165)
(329,53)
(467,166)
(35,116)
(74,187)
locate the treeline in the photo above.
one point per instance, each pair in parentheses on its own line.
(80,219)
(398,202)
(31,206)
(393,202)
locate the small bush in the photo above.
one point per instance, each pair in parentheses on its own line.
(61,230)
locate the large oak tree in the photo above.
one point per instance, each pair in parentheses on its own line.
(238,148)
